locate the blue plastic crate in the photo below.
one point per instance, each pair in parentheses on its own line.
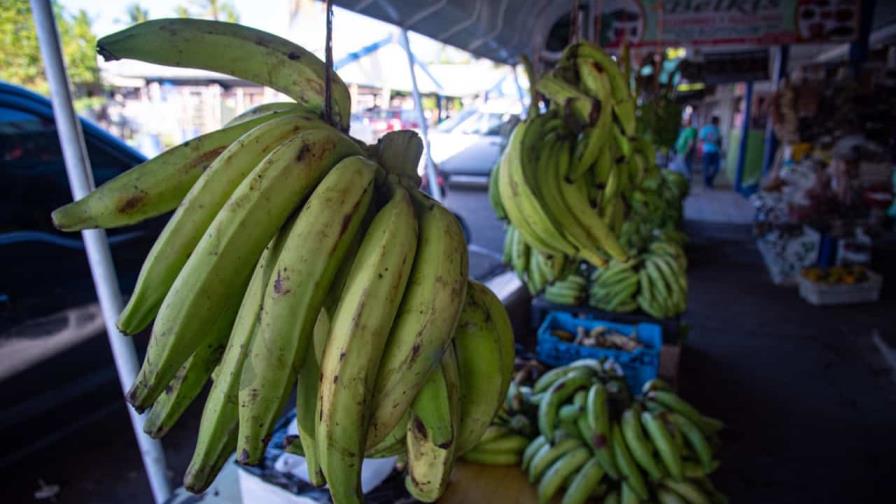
(641,365)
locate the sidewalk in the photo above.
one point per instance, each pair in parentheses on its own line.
(808,397)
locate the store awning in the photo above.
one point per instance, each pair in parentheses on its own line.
(499,30)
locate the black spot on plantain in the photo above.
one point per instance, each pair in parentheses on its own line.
(415,351)
(595,111)
(346,222)
(446,444)
(303,152)
(292,55)
(280,284)
(599,441)
(132,202)
(342,356)
(203,160)
(419,428)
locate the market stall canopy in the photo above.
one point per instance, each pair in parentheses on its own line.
(374,70)
(499,30)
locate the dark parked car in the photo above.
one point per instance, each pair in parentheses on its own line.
(53,353)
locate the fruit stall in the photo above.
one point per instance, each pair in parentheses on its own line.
(303,266)
(825,202)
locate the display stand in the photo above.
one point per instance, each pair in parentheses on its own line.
(674,330)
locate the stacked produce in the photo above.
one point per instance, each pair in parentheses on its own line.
(847,275)
(297,258)
(562,179)
(597,441)
(569,290)
(536,267)
(577,184)
(656,282)
(656,212)
(600,336)
(659,112)
(615,287)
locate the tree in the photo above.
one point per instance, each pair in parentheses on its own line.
(218,10)
(136,13)
(22,63)
(296,7)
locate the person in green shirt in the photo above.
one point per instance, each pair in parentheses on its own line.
(684,146)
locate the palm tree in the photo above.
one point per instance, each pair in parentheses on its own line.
(136,13)
(218,10)
(296,7)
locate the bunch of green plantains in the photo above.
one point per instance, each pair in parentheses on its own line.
(299,260)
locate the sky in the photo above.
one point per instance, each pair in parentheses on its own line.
(351,31)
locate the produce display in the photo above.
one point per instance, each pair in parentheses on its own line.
(600,337)
(299,259)
(846,275)
(569,290)
(577,184)
(594,440)
(659,115)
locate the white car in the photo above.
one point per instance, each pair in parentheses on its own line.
(470,143)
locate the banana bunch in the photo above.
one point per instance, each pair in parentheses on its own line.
(569,290)
(614,288)
(535,268)
(564,178)
(500,445)
(656,282)
(662,281)
(578,184)
(597,441)
(299,260)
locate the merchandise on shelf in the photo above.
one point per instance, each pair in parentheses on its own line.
(578,432)
(578,185)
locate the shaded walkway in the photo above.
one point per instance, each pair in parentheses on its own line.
(809,400)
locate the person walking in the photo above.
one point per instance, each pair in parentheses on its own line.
(684,147)
(710,145)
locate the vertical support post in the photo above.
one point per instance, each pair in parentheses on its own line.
(519,91)
(434,190)
(858,50)
(80,178)
(771,143)
(744,136)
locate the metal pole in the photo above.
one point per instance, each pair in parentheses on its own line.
(858,50)
(519,91)
(771,143)
(80,178)
(434,190)
(744,135)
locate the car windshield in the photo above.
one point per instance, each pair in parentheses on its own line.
(477,123)
(448,124)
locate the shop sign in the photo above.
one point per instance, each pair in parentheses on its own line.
(725,22)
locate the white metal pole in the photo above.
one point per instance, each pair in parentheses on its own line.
(80,178)
(434,190)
